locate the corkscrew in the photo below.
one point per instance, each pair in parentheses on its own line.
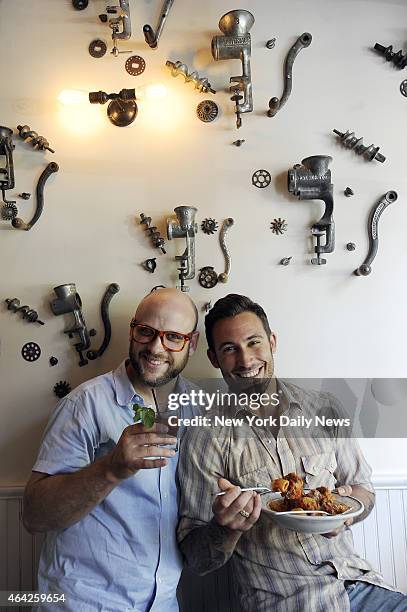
(28,313)
(152,231)
(201,83)
(236,44)
(6,172)
(38,142)
(398,59)
(350,141)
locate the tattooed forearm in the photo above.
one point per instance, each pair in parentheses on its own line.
(208,548)
(367,498)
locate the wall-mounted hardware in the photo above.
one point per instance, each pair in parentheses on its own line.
(9,211)
(349,192)
(183,226)
(6,162)
(28,313)
(112,289)
(261,178)
(122,109)
(69,301)
(120,24)
(207,111)
(350,246)
(276,104)
(24,195)
(152,38)
(135,65)
(209,226)
(239,142)
(226,225)
(62,388)
(398,59)
(350,141)
(97,48)
(31,351)
(53,361)
(270,44)
(372,227)
(157,240)
(403,88)
(236,44)
(157,287)
(150,265)
(278,226)
(312,181)
(201,83)
(207,306)
(285,261)
(79,5)
(207,277)
(38,142)
(39,192)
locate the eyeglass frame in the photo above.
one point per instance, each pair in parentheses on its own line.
(161,333)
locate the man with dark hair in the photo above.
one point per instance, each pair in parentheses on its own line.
(276,569)
(103,488)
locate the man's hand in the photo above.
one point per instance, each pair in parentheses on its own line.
(135,445)
(342,490)
(230,509)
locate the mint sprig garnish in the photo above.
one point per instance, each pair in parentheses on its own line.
(144,414)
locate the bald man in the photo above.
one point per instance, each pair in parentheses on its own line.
(103,488)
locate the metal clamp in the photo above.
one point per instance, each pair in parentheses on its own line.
(366,267)
(7,172)
(152,38)
(312,181)
(236,44)
(120,25)
(184,226)
(276,104)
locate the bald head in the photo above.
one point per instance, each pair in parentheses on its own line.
(175,310)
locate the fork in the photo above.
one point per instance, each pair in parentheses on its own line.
(261,490)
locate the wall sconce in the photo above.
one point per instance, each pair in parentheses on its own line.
(122,110)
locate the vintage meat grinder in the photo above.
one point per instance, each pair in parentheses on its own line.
(311,180)
(183,226)
(7,166)
(236,44)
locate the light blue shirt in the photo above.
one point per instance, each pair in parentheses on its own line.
(123,555)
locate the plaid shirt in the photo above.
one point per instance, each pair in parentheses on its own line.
(276,569)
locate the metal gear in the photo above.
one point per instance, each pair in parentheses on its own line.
(9,212)
(31,351)
(261,179)
(209,226)
(150,264)
(97,48)
(135,65)
(207,277)
(278,226)
(62,388)
(207,111)
(403,87)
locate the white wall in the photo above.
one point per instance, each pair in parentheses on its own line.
(329,322)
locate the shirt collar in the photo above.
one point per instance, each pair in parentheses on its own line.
(125,393)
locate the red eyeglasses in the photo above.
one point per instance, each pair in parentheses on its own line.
(171,340)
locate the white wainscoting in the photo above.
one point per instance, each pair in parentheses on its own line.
(381,539)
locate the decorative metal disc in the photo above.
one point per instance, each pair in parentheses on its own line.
(62,388)
(403,88)
(31,351)
(209,226)
(278,226)
(207,277)
(135,65)
(97,48)
(207,111)
(261,179)
(9,212)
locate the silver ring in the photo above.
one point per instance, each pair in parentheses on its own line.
(244,513)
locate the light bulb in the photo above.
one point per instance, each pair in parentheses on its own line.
(69,97)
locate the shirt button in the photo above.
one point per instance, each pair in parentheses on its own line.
(159,580)
(165,496)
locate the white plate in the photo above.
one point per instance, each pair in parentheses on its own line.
(313,524)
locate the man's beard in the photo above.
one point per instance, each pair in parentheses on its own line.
(171,373)
(253,386)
